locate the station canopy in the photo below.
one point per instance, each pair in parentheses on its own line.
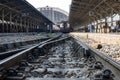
(23,8)
(83,12)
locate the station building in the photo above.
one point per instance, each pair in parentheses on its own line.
(54,14)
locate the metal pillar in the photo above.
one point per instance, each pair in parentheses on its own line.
(20,25)
(16,25)
(106,26)
(7,29)
(27,26)
(11,29)
(30,25)
(51,28)
(34,25)
(96,26)
(119,16)
(111,18)
(101,26)
(111,21)
(3,20)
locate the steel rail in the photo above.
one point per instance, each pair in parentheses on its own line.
(107,61)
(11,60)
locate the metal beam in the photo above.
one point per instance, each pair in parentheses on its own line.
(3,20)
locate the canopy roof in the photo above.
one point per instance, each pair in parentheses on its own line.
(83,12)
(22,7)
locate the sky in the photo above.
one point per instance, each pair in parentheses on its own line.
(62,4)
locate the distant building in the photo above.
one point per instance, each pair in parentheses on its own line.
(54,14)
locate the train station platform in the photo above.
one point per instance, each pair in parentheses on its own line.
(109,38)
(14,41)
(108,44)
(6,38)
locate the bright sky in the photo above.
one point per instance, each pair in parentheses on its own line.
(62,4)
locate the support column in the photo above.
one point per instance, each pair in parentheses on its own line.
(96,21)
(24,28)
(37,26)
(106,26)
(21,25)
(30,27)
(16,25)
(96,26)
(33,29)
(111,21)
(7,29)
(11,29)
(89,23)
(27,26)
(119,16)
(51,28)
(34,26)
(3,15)
(101,26)
(111,18)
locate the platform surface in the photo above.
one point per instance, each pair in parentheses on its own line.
(107,38)
(21,37)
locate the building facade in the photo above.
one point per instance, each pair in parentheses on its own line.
(56,15)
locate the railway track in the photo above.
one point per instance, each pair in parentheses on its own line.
(6,55)
(21,48)
(59,59)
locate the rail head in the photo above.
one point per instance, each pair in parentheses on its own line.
(107,61)
(9,61)
(100,54)
(106,58)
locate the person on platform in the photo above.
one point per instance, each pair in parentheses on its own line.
(118,26)
(105,27)
(113,28)
(92,28)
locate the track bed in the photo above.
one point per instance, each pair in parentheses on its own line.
(62,59)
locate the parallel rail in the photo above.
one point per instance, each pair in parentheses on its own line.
(21,48)
(17,57)
(107,62)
